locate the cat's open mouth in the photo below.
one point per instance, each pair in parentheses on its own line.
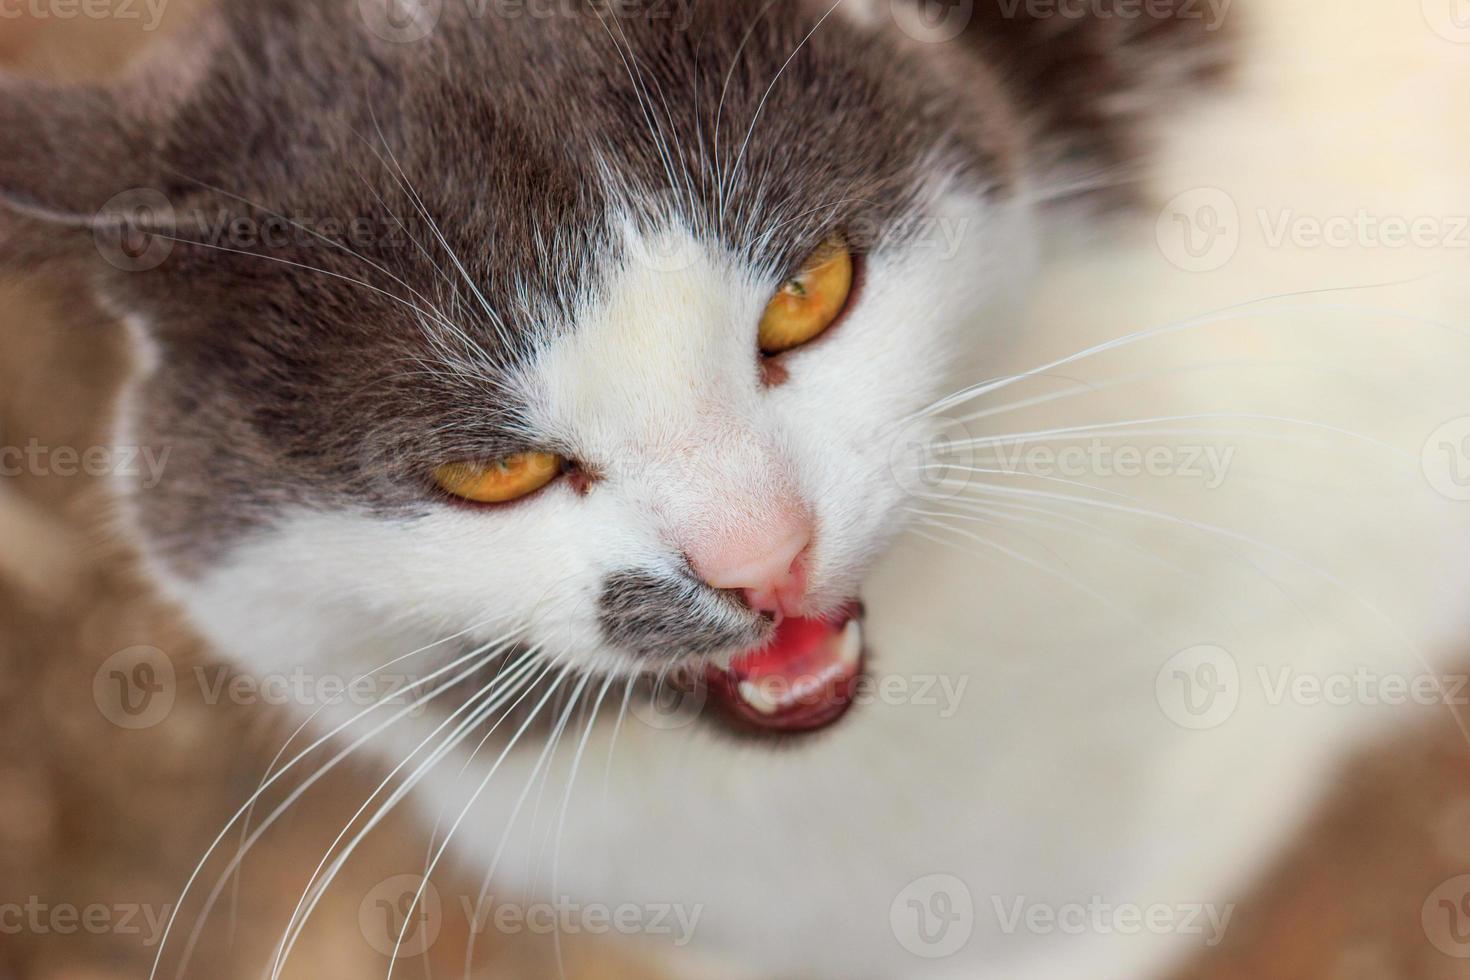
(803,679)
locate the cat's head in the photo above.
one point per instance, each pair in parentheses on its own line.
(663,285)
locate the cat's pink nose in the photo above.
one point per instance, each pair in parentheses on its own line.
(768,569)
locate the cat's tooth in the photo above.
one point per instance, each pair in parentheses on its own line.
(757,698)
(850,645)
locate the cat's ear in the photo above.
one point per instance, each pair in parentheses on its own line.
(1090,86)
(76,159)
(67,150)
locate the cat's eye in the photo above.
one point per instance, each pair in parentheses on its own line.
(501,480)
(810,301)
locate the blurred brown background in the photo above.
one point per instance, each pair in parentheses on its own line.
(107,821)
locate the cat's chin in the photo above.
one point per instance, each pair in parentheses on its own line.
(802,679)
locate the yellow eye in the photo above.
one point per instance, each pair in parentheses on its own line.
(808,302)
(499,481)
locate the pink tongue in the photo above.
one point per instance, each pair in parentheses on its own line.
(803,679)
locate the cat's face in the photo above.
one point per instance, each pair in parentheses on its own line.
(567,233)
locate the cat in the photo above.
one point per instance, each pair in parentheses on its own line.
(583,359)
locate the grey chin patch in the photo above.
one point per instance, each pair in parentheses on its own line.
(648,614)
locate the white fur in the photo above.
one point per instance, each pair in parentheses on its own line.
(1059,778)
(657,392)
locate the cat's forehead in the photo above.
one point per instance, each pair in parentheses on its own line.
(498,161)
(528,141)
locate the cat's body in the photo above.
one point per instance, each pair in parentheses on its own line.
(563,255)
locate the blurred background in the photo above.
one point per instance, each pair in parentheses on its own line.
(102,817)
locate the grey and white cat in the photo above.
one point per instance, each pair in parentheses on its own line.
(511,246)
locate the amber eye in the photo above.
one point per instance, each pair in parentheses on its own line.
(501,480)
(808,302)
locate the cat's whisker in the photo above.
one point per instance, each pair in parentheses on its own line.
(418,203)
(485,887)
(546,755)
(1238,538)
(1137,510)
(533,860)
(1104,178)
(566,804)
(645,106)
(940,518)
(1009,510)
(1223,314)
(520,680)
(1071,580)
(669,154)
(761,105)
(449,835)
(612,739)
(1053,520)
(323,238)
(280,811)
(1123,427)
(997,456)
(280,753)
(428,256)
(287,262)
(1081,387)
(478,360)
(474,655)
(988,471)
(720,106)
(776,226)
